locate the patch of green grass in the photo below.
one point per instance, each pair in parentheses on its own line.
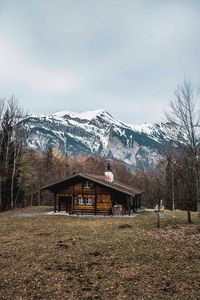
(59,257)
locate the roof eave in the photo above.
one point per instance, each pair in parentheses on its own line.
(52,187)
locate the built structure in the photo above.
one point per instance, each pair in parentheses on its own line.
(87,193)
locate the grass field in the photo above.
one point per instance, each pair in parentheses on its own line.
(59,257)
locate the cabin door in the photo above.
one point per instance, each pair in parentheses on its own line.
(65,203)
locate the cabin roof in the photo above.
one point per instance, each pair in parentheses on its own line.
(115,185)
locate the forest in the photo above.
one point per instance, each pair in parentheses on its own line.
(175,179)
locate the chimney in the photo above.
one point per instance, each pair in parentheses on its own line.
(108,174)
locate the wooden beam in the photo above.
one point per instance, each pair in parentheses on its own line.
(129,206)
(139,201)
(82,189)
(95,203)
(73,200)
(111,202)
(67,203)
(136,207)
(55,202)
(59,204)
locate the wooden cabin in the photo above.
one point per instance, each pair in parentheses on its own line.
(87,193)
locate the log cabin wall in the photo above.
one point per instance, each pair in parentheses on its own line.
(104,202)
(85,196)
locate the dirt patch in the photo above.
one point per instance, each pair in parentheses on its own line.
(124,226)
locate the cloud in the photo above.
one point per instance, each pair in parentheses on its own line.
(17,70)
(123,56)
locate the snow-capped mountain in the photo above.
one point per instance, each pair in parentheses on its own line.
(96,133)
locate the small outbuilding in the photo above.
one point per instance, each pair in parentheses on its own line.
(87,193)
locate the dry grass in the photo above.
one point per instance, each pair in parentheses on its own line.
(59,257)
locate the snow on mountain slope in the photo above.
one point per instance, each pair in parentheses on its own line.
(146,128)
(96,133)
(86,115)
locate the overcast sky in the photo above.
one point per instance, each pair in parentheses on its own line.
(125,56)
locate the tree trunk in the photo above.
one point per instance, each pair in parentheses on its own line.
(16,198)
(0,194)
(32,195)
(173,206)
(197,191)
(189,216)
(158,215)
(198,202)
(39,197)
(12,186)
(15,158)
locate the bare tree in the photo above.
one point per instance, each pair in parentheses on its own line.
(10,149)
(2,104)
(184,128)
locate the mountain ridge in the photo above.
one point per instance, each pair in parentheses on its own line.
(96,133)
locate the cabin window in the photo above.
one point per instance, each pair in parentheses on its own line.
(87,184)
(88,201)
(85,201)
(81,201)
